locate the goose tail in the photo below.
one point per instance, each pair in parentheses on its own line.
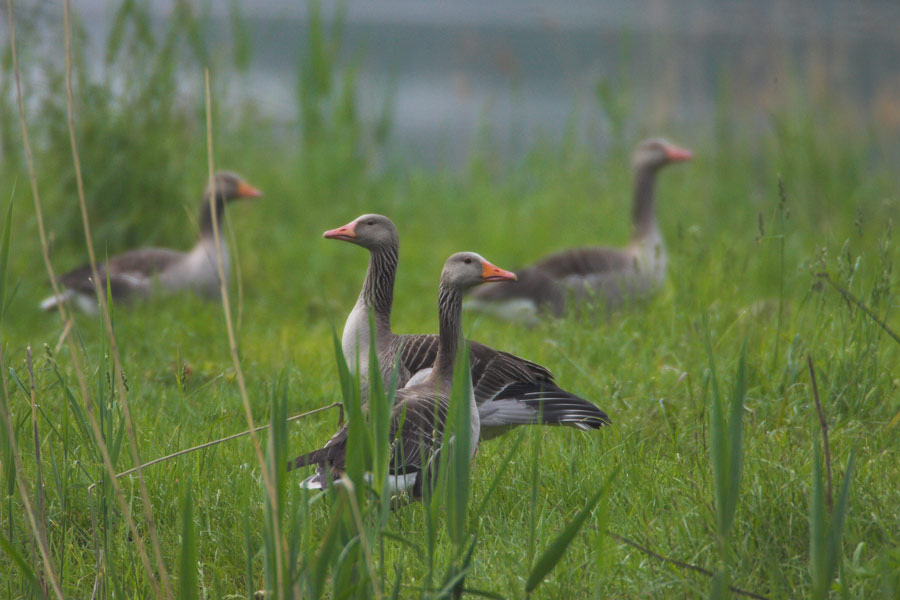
(51,302)
(541,404)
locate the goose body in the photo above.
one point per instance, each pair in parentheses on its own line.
(595,274)
(508,390)
(419,415)
(142,272)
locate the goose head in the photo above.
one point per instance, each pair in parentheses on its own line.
(372,232)
(657,152)
(464,270)
(230,186)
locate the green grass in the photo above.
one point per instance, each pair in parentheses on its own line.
(742,268)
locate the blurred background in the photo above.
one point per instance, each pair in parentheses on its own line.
(441,74)
(339,108)
(504,127)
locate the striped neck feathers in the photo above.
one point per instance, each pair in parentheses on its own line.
(378,288)
(450,331)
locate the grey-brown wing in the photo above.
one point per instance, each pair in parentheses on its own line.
(584,261)
(145,261)
(127,272)
(492,370)
(509,389)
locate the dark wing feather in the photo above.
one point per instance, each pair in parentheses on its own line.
(584,261)
(491,369)
(555,406)
(498,375)
(124,270)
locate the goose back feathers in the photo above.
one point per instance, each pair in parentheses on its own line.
(139,272)
(609,276)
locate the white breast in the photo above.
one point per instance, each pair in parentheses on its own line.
(650,258)
(355,340)
(198,270)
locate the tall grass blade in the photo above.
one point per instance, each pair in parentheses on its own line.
(19,560)
(459,450)
(504,465)
(825,538)
(726,456)
(187,556)
(379,414)
(4,258)
(358,443)
(735,437)
(557,548)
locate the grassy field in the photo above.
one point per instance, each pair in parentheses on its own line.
(749,225)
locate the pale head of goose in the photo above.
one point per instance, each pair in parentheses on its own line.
(372,232)
(657,152)
(230,186)
(227,187)
(464,270)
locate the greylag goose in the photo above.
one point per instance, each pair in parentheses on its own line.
(609,275)
(419,414)
(139,272)
(509,390)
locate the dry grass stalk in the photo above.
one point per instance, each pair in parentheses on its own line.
(851,299)
(21,482)
(76,361)
(216,442)
(104,308)
(39,485)
(682,565)
(268,479)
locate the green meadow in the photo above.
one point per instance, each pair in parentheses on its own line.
(713,474)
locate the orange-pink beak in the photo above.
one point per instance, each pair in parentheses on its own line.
(245,190)
(491,273)
(676,154)
(347,232)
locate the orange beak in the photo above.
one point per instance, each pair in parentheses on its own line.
(676,154)
(347,232)
(245,190)
(491,273)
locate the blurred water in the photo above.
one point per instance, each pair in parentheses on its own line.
(516,70)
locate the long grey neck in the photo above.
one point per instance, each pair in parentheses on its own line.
(377,292)
(643,216)
(450,331)
(206,223)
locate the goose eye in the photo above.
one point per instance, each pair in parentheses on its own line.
(370,222)
(467,260)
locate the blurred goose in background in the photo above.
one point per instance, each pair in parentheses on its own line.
(141,272)
(419,414)
(610,276)
(509,390)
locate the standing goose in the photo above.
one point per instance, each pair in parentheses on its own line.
(419,414)
(137,272)
(509,390)
(610,275)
